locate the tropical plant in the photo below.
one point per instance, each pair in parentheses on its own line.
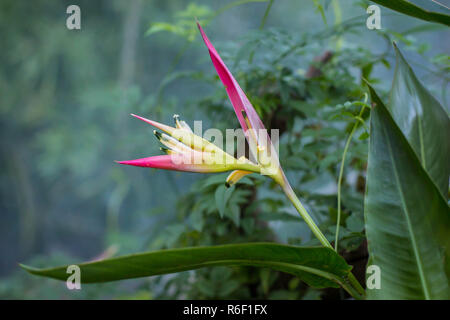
(405,210)
(184,144)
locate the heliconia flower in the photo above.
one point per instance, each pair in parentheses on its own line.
(189,152)
(257,137)
(261,148)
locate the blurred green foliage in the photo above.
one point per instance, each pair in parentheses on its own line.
(66,96)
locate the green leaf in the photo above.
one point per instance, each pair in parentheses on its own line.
(319,8)
(407,220)
(234,213)
(363,136)
(412,10)
(222,195)
(423,121)
(206,288)
(197,220)
(162,26)
(216,179)
(228,287)
(319,267)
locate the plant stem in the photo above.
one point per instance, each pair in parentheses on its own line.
(261,26)
(352,286)
(355,284)
(304,214)
(341,173)
(266,14)
(337,22)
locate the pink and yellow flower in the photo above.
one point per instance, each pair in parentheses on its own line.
(189,152)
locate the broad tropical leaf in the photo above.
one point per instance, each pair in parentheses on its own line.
(423,121)
(319,267)
(407,219)
(412,10)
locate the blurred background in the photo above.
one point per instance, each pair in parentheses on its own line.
(65,100)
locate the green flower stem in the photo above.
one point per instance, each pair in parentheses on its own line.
(247,166)
(261,26)
(352,287)
(355,284)
(337,22)
(304,214)
(341,173)
(266,14)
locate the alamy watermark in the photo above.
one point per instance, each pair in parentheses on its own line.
(74,20)
(374,20)
(373,280)
(74,280)
(211,147)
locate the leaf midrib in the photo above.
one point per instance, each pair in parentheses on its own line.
(226,262)
(315,271)
(419,121)
(408,221)
(422,146)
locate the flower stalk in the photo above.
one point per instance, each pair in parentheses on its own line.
(187,151)
(305,215)
(341,173)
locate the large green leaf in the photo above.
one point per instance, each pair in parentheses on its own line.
(423,121)
(319,267)
(407,219)
(412,10)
